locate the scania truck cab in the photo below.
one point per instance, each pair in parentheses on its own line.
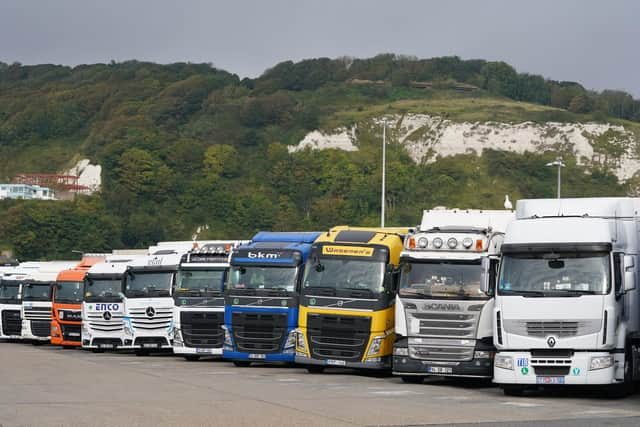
(36,301)
(103,304)
(148,289)
(348,298)
(261,297)
(198,315)
(66,320)
(566,309)
(443,318)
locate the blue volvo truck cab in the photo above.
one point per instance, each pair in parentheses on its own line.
(262,295)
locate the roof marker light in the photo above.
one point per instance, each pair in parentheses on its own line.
(467,242)
(423,242)
(437,243)
(452,243)
(479,245)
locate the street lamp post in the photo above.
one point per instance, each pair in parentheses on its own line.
(558,162)
(384,166)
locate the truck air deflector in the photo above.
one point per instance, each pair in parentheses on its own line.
(555,247)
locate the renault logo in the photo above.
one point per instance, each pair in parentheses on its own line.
(106,315)
(551,342)
(150,312)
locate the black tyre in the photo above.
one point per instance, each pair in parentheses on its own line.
(241,363)
(412,379)
(192,358)
(315,369)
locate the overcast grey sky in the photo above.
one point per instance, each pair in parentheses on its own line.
(596,43)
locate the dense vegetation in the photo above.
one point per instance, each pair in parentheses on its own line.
(184,145)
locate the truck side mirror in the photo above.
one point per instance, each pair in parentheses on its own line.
(485,269)
(629,273)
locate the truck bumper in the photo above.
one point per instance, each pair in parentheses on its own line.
(477,368)
(578,373)
(150,342)
(197,351)
(58,333)
(384,363)
(27,335)
(274,357)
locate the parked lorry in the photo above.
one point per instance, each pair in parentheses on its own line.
(36,301)
(198,315)
(443,318)
(11,302)
(567,301)
(148,301)
(66,313)
(261,297)
(103,304)
(348,297)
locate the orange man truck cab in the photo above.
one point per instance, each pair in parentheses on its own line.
(66,313)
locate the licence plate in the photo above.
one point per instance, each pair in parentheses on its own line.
(203,350)
(257,356)
(336,362)
(439,369)
(105,345)
(550,380)
(74,334)
(150,345)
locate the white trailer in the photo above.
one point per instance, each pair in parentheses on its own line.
(566,310)
(443,317)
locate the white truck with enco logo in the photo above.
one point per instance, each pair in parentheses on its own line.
(148,289)
(566,309)
(443,316)
(103,304)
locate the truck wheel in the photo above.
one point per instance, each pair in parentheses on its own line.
(412,380)
(192,358)
(513,390)
(241,363)
(315,369)
(142,353)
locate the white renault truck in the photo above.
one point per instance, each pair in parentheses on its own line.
(103,304)
(443,317)
(567,301)
(148,303)
(36,300)
(199,300)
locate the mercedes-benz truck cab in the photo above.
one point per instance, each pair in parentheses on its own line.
(36,301)
(443,318)
(566,310)
(199,300)
(103,304)
(66,320)
(148,290)
(261,297)
(348,298)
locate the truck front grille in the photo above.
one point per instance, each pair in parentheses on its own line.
(161,318)
(37,313)
(97,322)
(259,332)
(11,323)
(454,325)
(338,337)
(202,329)
(558,329)
(552,371)
(70,332)
(41,328)
(439,352)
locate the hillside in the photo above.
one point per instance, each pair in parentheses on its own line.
(184,145)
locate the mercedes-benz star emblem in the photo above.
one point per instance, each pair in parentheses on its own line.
(150,312)
(106,315)
(551,342)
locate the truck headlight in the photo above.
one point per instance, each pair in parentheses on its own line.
(504,362)
(177,336)
(482,355)
(227,337)
(400,351)
(600,362)
(375,346)
(291,340)
(300,344)
(128,329)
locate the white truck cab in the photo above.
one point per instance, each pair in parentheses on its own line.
(443,314)
(567,301)
(11,301)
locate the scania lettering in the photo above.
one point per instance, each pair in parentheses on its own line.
(199,300)
(261,297)
(66,320)
(348,297)
(103,306)
(566,310)
(443,318)
(148,290)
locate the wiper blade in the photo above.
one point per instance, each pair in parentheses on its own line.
(136,293)
(322,290)
(523,293)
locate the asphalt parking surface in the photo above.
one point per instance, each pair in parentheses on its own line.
(50,386)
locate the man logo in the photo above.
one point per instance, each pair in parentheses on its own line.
(150,312)
(551,342)
(106,316)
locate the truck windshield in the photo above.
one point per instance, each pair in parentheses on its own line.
(554,274)
(441,279)
(9,292)
(36,292)
(108,290)
(261,277)
(142,284)
(69,292)
(200,281)
(345,274)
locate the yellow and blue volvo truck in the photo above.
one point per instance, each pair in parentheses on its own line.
(346,316)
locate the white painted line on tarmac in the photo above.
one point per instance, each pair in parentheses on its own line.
(523,404)
(288,380)
(395,392)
